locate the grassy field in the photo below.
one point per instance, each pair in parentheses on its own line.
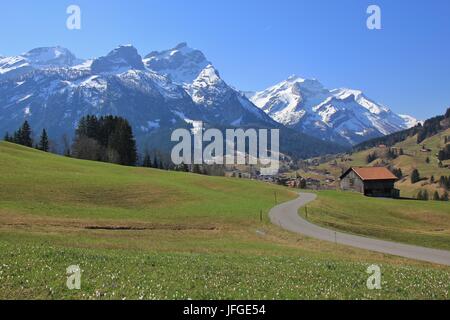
(148,234)
(423,223)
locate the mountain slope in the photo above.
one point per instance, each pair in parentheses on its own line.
(342,115)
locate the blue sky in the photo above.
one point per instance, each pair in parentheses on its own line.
(255,44)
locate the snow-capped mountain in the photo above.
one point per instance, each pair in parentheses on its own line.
(182,63)
(119,60)
(39,58)
(221,103)
(342,115)
(52,89)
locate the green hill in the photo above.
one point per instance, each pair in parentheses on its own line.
(150,234)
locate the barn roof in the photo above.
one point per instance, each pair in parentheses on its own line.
(372,173)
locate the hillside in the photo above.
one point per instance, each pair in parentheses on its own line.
(149,234)
(416,148)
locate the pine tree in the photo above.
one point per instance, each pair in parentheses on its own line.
(371,157)
(147,163)
(422,195)
(436,196)
(24,135)
(397,172)
(196,169)
(447,113)
(7,138)
(415,176)
(43,142)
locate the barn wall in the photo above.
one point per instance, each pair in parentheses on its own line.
(357,185)
(380,188)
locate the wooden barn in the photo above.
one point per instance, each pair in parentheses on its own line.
(370,181)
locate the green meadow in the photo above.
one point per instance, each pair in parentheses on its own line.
(423,223)
(141,233)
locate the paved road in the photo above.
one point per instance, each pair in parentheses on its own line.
(286,216)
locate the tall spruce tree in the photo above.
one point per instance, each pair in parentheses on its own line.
(415,176)
(7,137)
(23,135)
(147,162)
(436,196)
(43,141)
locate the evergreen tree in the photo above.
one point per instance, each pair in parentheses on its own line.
(108,138)
(436,196)
(423,195)
(43,142)
(147,162)
(447,114)
(196,169)
(397,172)
(26,135)
(7,138)
(23,135)
(371,157)
(415,176)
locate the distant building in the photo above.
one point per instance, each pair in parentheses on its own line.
(370,181)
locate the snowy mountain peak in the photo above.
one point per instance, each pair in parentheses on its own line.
(39,58)
(181,63)
(121,59)
(343,115)
(360,98)
(209,76)
(181,45)
(50,57)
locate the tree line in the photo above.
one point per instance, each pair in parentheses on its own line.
(23,136)
(429,128)
(107,139)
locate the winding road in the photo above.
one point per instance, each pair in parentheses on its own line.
(287,217)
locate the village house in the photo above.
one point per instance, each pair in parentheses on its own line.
(370,181)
